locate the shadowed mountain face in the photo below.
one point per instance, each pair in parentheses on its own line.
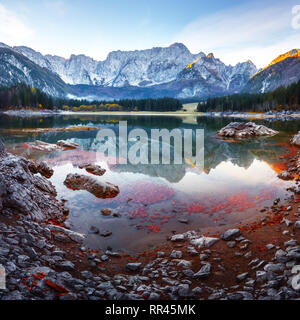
(282,71)
(16,68)
(158,72)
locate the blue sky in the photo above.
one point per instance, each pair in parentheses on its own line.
(234,30)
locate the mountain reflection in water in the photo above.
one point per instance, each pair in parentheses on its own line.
(240,178)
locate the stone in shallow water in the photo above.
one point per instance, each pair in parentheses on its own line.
(183,220)
(245,130)
(106,212)
(105,233)
(94,230)
(98,188)
(93,168)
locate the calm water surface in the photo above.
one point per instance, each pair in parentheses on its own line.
(239,179)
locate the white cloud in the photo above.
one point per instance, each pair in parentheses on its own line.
(12,27)
(245,32)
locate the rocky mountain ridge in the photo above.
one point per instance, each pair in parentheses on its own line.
(171,71)
(146,69)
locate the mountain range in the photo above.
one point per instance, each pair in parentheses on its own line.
(171,71)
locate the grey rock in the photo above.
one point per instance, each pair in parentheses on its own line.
(203,242)
(204,272)
(183,290)
(241,277)
(261,276)
(178,238)
(176,254)
(133,266)
(65,265)
(274,267)
(297,224)
(184,264)
(231,234)
(231,244)
(270,246)
(154,296)
(281,256)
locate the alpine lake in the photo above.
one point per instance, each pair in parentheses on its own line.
(240,177)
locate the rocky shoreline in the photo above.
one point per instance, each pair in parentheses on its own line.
(44,260)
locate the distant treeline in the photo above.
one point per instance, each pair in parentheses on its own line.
(283,98)
(23,96)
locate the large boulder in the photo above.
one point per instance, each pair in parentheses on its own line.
(24,193)
(245,130)
(97,188)
(296,139)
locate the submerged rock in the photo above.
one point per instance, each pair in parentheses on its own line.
(93,169)
(97,188)
(106,212)
(245,130)
(296,139)
(105,233)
